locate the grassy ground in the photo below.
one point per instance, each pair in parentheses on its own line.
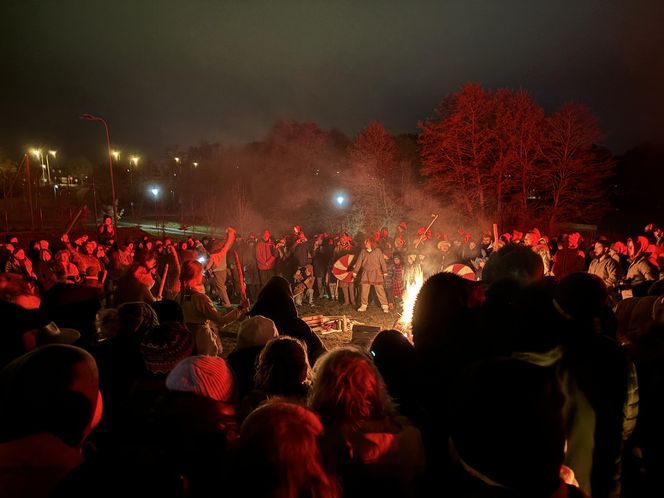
(374,316)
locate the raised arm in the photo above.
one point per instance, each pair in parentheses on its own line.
(229,242)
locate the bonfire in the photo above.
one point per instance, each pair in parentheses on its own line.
(410,295)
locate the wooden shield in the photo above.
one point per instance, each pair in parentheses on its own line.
(340,268)
(461,270)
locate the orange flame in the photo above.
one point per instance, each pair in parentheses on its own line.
(412,290)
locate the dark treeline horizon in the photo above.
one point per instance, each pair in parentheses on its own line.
(295,172)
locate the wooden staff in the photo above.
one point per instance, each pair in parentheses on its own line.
(73,222)
(495,235)
(163,281)
(240,276)
(419,241)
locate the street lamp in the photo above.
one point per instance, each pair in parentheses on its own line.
(133,161)
(38,155)
(341,200)
(155,194)
(90,117)
(48,166)
(116,154)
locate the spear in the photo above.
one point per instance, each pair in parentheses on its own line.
(240,276)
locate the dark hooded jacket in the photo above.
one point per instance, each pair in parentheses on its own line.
(275,301)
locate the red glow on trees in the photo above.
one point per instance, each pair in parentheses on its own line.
(495,156)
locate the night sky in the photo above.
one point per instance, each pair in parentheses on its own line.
(166,73)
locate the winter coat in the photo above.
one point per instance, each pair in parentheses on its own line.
(371,267)
(199,312)
(265,255)
(275,301)
(568,261)
(606,268)
(640,270)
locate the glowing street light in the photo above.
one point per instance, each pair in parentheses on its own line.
(340,200)
(155,194)
(38,155)
(48,166)
(195,165)
(177,160)
(116,154)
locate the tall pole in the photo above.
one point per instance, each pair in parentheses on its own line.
(94,199)
(48,169)
(43,166)
(29,185)
(90,117)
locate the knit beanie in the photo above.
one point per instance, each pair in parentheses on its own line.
(164,346)
(207,376)
(255,331)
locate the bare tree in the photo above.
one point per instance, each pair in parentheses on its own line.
(375,174)
(519,125)
(239,207)
(575,169)
(457,151)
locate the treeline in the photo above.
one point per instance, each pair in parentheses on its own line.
(486,156)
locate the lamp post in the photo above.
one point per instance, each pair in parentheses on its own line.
(155,194)
(39,156)
(48,166)
(133,161)
(90,117)
(341,201)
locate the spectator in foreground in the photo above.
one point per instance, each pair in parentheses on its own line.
(49,404)
(379,452)
(279,455)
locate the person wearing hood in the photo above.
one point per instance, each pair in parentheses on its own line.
(275,301)
(569,258)
(640,269)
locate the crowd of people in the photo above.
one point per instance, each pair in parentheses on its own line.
(540,376)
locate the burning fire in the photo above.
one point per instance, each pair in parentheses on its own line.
(412,289)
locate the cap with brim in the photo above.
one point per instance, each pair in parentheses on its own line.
(52,334)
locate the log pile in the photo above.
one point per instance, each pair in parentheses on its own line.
(328,324)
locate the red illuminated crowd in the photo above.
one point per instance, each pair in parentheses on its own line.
(536,366)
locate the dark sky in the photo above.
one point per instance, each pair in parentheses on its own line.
(177,72)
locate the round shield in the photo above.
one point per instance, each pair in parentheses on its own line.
(340,268)
(461,270)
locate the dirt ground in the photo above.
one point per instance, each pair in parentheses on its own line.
(374,317)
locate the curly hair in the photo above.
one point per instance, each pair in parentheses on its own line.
(348,390)
(282,367)
(279,442)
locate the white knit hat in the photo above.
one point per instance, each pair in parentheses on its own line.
(207,376)
(255,331)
